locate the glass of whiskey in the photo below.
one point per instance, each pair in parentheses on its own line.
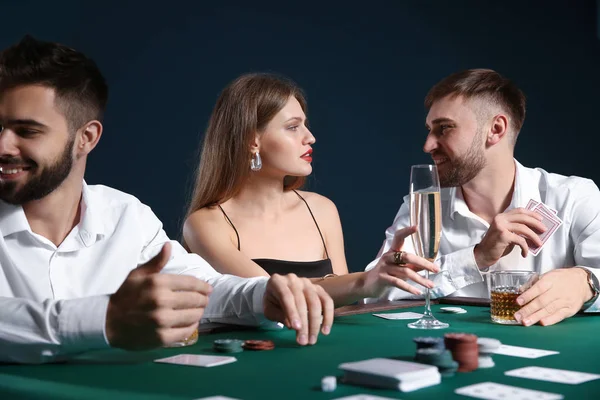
(505,287)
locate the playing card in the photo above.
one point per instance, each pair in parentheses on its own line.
(496,391)
(533,204)
(552,223)
(552,375)
(525,352)
(401,315)
(363,397)
(197,360)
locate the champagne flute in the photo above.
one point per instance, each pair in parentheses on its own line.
(426,214)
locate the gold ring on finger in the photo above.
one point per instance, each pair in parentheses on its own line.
(399,258)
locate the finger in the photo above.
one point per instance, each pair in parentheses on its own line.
(157,262)
(328,310)
(524,230)
(185,283)
(520,241)
(283,297)
(544,306)
(421,263)
(315,313)
(185,300)
(538,288)
(407,273)
(558,316)
(400,284)
(534,221)
(400,235)
(165,318)
(187,317)
(162,298)
(302,307)
(523,211)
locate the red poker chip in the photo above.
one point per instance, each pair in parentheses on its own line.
(259,345)
(464,349)
(460,337)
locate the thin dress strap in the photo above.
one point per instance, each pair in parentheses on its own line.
(231,223)
(314,219)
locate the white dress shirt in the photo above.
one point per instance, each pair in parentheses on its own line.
(53,300)
(575,243)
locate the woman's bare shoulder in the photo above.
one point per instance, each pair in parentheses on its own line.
(319,203)
(202,222)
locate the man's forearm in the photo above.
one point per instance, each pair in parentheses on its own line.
(33,332)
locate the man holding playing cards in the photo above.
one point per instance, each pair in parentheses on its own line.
(498,214)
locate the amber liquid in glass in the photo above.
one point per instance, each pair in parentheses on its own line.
(504,305)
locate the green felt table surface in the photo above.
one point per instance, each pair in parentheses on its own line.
(294,372)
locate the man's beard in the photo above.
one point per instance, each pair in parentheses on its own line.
(466,167)
(40,185)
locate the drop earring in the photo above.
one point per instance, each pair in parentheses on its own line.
(256,162)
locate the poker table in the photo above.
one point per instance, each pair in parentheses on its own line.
(294,372)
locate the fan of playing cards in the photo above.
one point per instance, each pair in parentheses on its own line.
(550,220)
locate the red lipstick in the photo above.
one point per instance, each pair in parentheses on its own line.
(307,156)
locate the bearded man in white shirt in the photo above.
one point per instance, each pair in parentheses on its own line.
(474,119)
(69,251)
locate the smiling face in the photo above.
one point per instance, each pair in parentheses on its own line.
(36,147)
(456,141)
(285,143)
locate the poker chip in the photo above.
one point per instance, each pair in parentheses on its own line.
(440,358)
(259,345)
(228,345)
(464,349)
(487,347)
(485,362)
(453,310)
(449,371)
(328,384)
(426,342)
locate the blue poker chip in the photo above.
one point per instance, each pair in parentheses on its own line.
(228,345)
(429,342)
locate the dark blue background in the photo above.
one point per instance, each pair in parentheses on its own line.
(365,69)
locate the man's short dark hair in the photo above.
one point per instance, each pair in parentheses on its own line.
(483,84)
(80,89)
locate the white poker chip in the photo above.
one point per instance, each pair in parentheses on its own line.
(328,384)
(485,362)
(453,310)
(488,345)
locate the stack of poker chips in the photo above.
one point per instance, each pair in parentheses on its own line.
(464,349)
(431,350)
(228,345)
(259,345)
(487,347)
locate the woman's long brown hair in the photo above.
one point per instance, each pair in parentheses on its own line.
(244,108)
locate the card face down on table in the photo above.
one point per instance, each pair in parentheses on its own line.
(391,374)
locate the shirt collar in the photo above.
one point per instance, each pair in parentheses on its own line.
(524,189)
(91,226)
(13,219)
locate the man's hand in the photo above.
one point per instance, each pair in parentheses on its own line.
(558,294)
(507,230)
(300,305)
(152,309)
(386,273)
